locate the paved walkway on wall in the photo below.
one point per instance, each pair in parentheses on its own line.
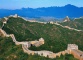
(67,27)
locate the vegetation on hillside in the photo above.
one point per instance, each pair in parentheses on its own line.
(9,51)
(77,23)
(56,37)
(18,27)
(1,23)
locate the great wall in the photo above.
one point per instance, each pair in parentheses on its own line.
(71,49)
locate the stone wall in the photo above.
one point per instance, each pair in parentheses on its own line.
(3,33)
(72,48)
(37,43)
(77,54)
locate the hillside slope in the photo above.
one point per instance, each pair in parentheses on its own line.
(56,37)
(9,51)
(76,23)
(18,27)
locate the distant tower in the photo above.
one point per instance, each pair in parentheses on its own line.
(41,40)
(66,19)
(15,16)
(6,18)
(51,22)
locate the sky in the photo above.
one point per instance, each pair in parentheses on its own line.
(18,4)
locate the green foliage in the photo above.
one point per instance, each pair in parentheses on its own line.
(18,27)
(0,23)
(77,23)
(56,38)
(9,51)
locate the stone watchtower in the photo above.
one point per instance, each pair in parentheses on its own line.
(72,46)
(15,16)
(66,19)
(73,49)
(41,40)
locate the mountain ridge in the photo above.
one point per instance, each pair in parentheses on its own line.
(56,12)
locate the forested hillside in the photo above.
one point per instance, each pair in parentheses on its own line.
(56,39)
(76,23)
(9,51)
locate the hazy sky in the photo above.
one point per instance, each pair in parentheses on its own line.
(17,4)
